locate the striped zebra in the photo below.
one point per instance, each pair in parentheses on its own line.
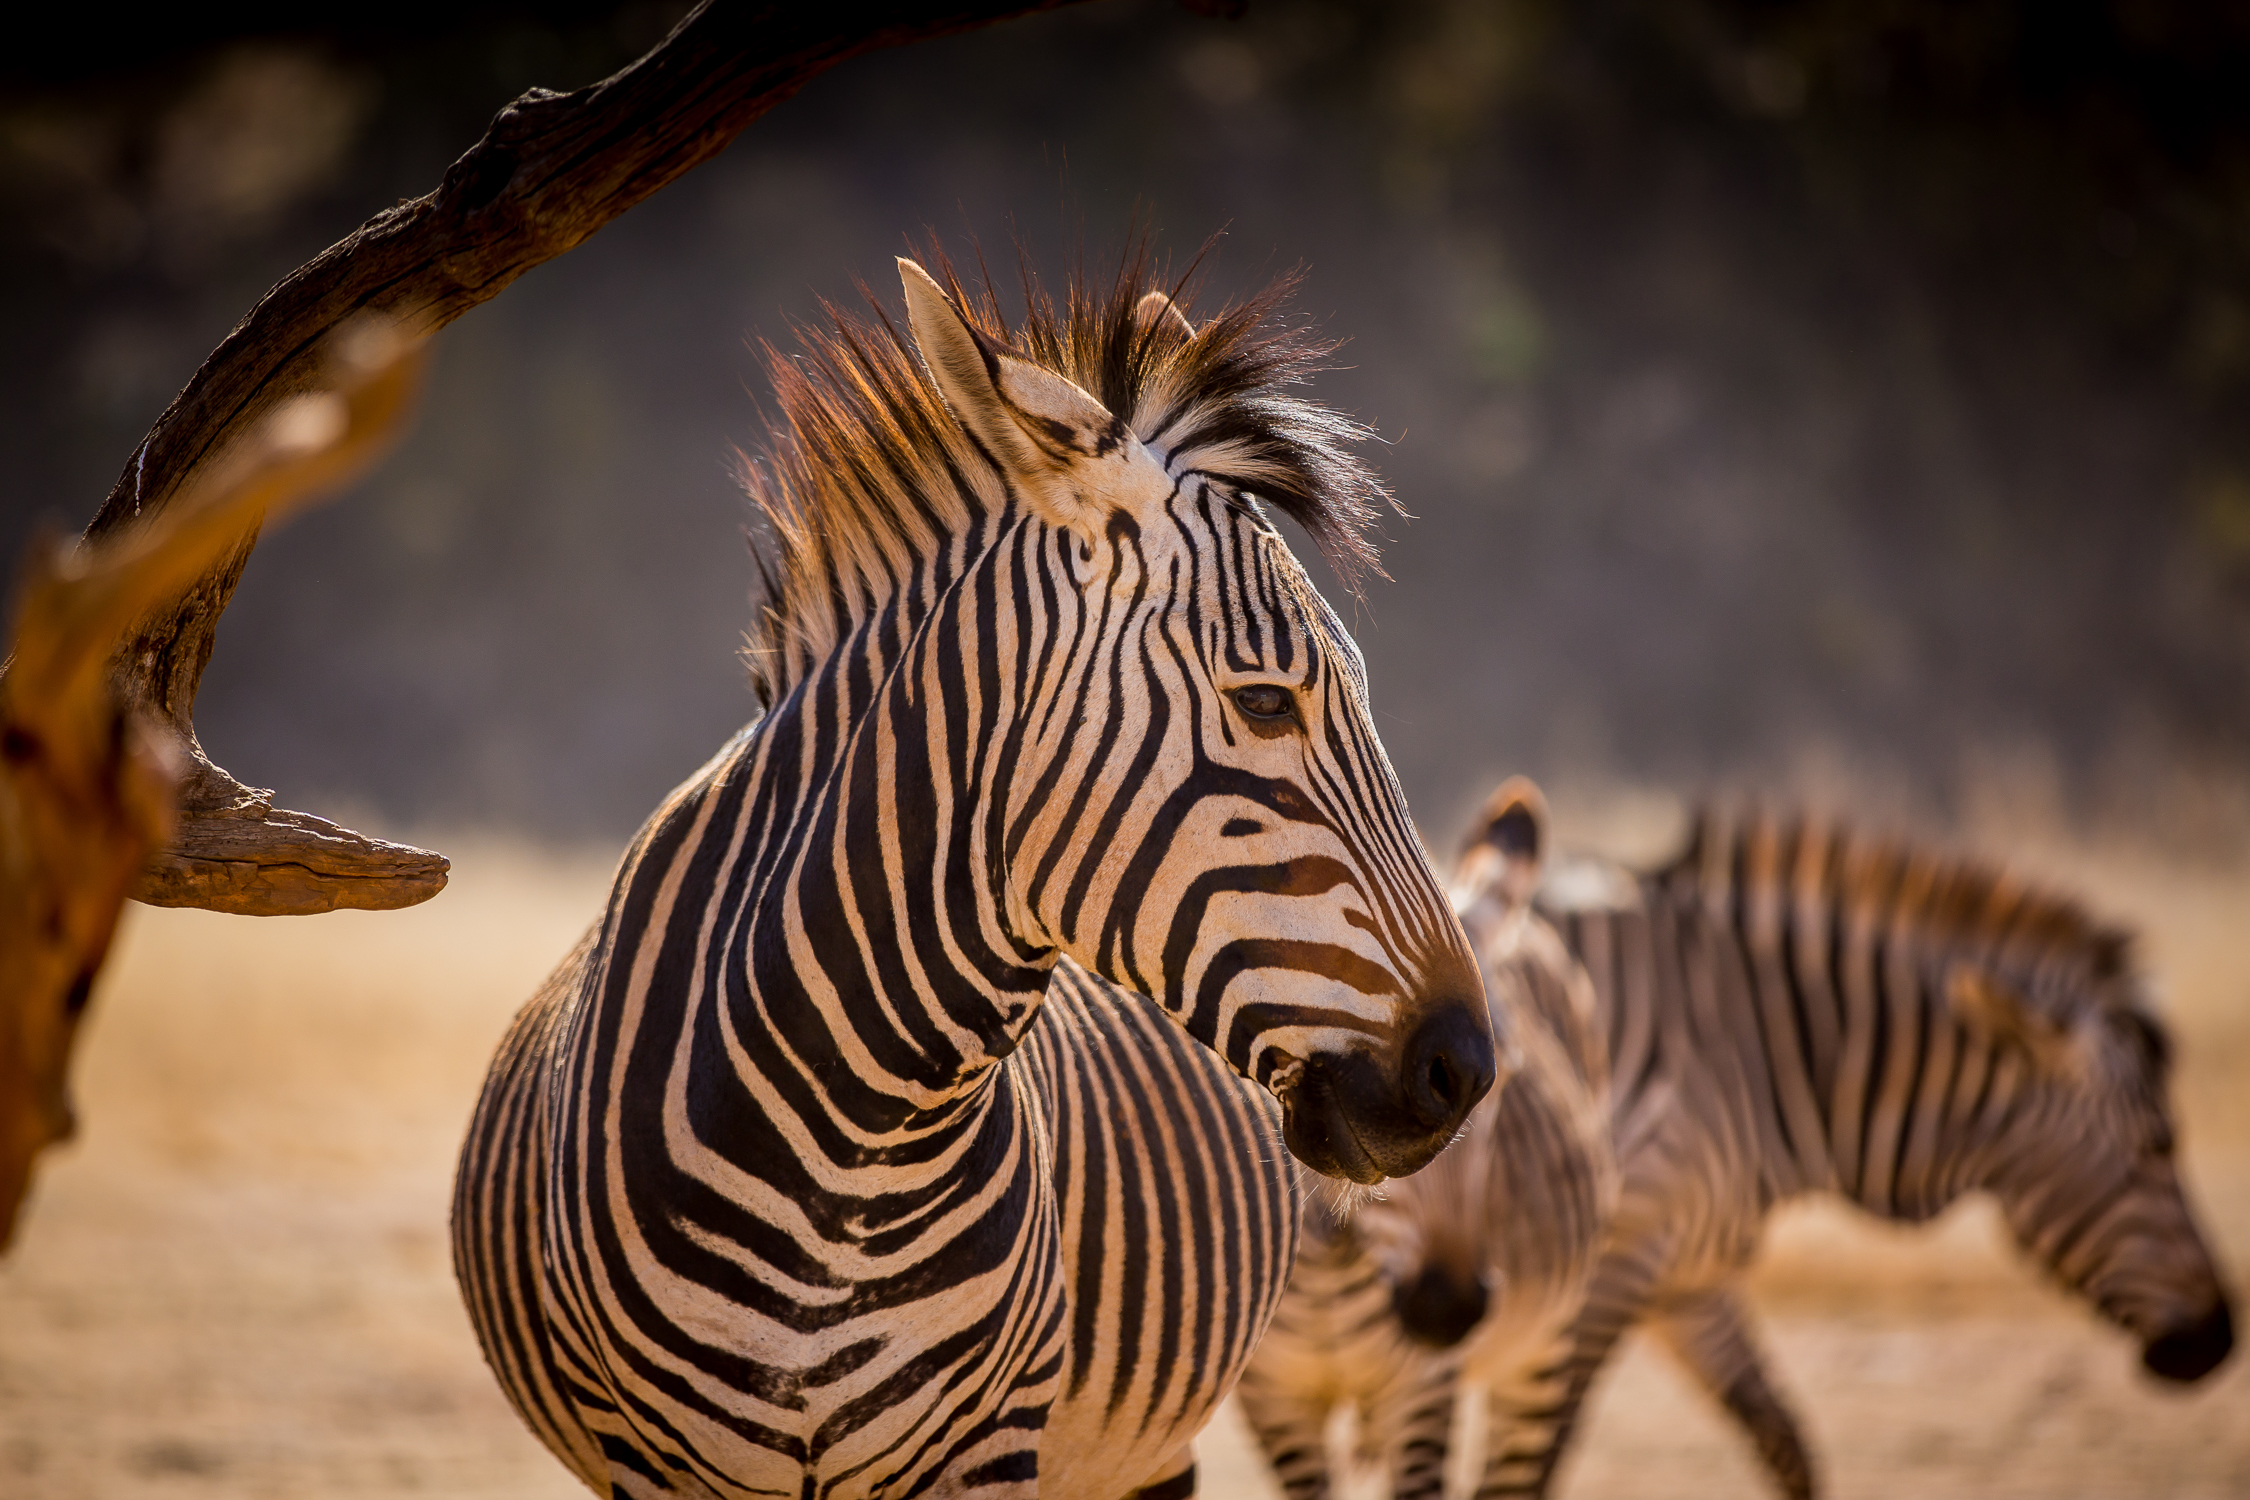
(766,1193)
(1999,1042)
(1476,1265)
(1792,1007)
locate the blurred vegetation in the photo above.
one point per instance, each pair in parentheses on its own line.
(1774,384)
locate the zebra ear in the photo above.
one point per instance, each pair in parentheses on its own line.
(1159,310)
(1994,1009)
(1034,425)
(1516,826)
(1509,849)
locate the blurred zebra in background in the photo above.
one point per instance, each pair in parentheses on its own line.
(1792,1007)
(1785,1008)
(1474,1267)
(780,1186)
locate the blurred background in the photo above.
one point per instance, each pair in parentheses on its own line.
(1773,386)
(1849,399)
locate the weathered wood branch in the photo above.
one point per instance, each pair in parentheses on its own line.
(86,779)
(551,170)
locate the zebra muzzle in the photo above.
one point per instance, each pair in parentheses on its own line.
(1439,1309)
(1315,1128)
(2193,1351)
(1349,1116)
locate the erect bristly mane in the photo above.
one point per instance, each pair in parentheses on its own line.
(875,482)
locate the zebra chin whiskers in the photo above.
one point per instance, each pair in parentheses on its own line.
(1343,1200)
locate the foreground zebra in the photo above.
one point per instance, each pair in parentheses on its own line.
(1475,1266)
(1794,1008)
(785,1184)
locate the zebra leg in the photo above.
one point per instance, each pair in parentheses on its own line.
(1531,1421)
(1528,1421)
(1176,1481)
(1709,1332)
(1292,1428)
(1411,1426)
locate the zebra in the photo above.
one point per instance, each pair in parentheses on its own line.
(1178,1186)
(1791,1007)
(766,1193)
(1479,1262)
(2038,1074)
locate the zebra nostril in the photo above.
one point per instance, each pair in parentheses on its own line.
(1442,1083)
(1449,1067)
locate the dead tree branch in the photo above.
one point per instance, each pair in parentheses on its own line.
(87,780)
(551,170)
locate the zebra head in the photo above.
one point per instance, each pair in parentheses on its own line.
(1191,800)
(2077,1138)
(1510,1214)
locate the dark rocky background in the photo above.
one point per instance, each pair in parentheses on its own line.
(1838,394)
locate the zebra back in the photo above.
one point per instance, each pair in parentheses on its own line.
(1823,1009)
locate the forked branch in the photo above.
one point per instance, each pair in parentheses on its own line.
(86,781)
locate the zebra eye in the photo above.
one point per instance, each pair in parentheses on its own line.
(1262,700)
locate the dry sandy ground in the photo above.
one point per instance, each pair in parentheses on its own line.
(236,1282)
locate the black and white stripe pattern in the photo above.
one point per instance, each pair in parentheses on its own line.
(1179,1222)
(1794,1008)
(1473,1268)
(1790,1008)
(772,1189)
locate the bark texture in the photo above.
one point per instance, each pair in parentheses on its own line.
(87,779)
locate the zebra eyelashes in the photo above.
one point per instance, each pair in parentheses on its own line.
(1268,709)
(1264,700)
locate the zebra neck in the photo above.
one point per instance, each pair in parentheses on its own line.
(879,957)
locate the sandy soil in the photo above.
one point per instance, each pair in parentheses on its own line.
(236,1282)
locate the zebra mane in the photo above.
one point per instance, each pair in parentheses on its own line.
(2052,951)
(874,480)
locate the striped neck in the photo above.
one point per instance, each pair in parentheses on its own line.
(881,952)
